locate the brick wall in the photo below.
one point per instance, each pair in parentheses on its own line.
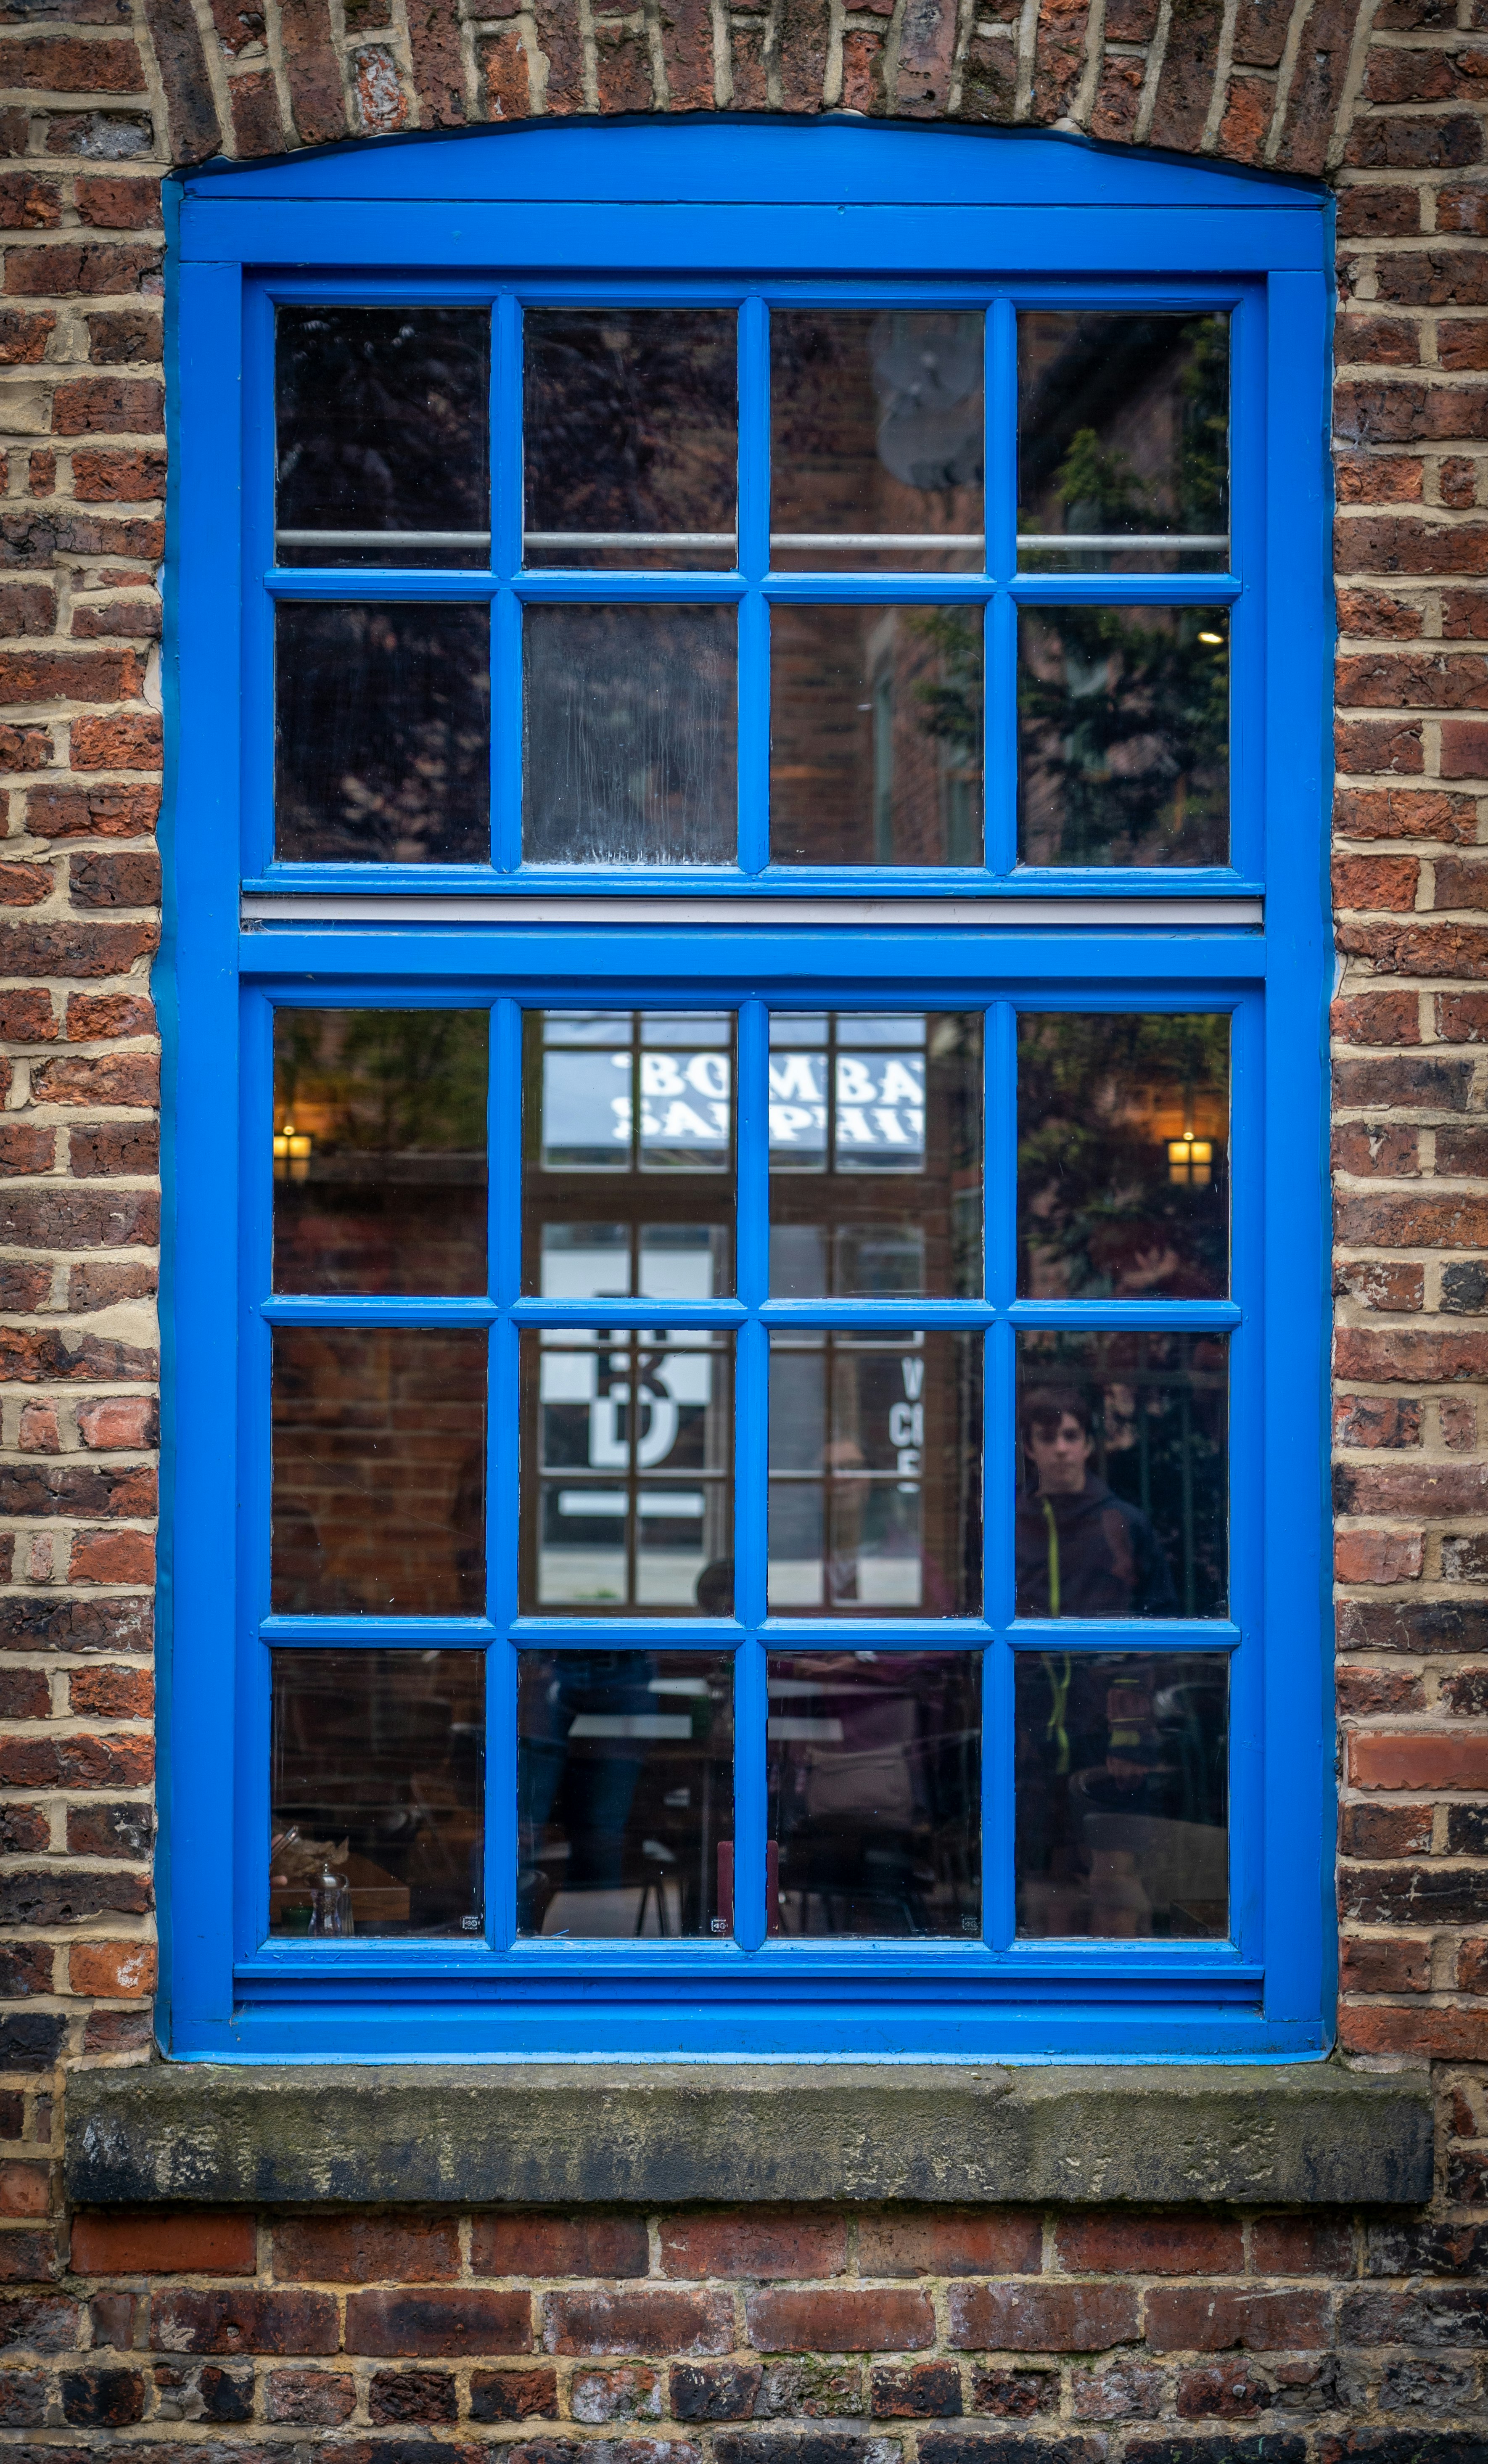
(859,2338)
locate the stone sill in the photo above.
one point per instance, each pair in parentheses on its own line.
(554,2135)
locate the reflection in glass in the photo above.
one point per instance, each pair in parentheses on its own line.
(628,1171)
(627,1500)
(379,1470)
(631,428)
(875,1155)
(630,729)
(382,430)
(875,1791)
(1123,735)
(377,1793)
(876,435)
(1122,1157)
(1123,434)
(1123,1503)
(382,734)
(625,1793)
(380,1149)
(875,1474)
(1123,1777)
(876,735)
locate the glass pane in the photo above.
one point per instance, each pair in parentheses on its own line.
(380,1149)
(1123,735)
(876,439)
(378,1792)
(382,432)
(1123,1157)
(629,1171)
(876,735)
(632,724)
(1123,434)
(628,1499)
(876,1155)
(875,1474)
(625,1793)
(875,1791)
(632,433)
(1123,1502)
(379,1470)
(382,734)
(1122,1793)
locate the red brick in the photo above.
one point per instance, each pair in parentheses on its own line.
(1369,1964)
(25,1149)
(412,2326)
(114,1970)
(93,268)
(1377,1556)
(27,1016)
(25,2189)
(1375,881)
(1148,2245)
(573,2245)
(1042,2317)
(949,2241)
(319,2398)
(1437,2034)
(1379,744)
(1370,1149)
(64,65)
(111,203)
(1308,2245)
(135,620)
(1385,1830)
(1473,1978)
(112,1557)
(637,2320)
(25,884)
(109,1693)
(25,1694)
(1463,1017)
(1231,2393)
(753,2242)
(243,2322)
(1363,1693)
(1460,346)
(1464,748)
(1376,1420)
(1369,479)
(129,742)
(366,2250)
(839,2320)
(1401,1759)
(118,1079)
(1213,2317)
(118,478)
(1407,813)
(513,2395)
(208,2242)
(101,811)
(1386,342)
(929,2391)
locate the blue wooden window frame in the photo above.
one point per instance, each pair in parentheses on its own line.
(742,212)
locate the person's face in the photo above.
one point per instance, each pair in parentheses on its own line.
(1059,1455)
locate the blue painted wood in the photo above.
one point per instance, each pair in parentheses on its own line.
(743,213)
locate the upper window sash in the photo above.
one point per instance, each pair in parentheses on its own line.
(1008,599)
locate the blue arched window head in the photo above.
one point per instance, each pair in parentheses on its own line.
(745,1001)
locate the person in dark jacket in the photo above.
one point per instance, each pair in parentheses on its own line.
(1080,1550)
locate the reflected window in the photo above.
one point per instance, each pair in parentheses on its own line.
(875,1791)
(875,1474)
(876,735)
(1123,1499)
(381,733)
(1123,1788)
(628,1171)
(1123,1155)
(875,1154)
(630,430)
(382,436)
(380,1149)
(628,1502)
(876,439)
(629,736)
(625,1793)
(379,1470)
(1124,442)
(1123,735)
(377,1820)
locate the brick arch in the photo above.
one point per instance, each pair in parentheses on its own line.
(1264,82)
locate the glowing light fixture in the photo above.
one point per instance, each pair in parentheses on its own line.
(1215,640)
(1191,1160)
(292,1150)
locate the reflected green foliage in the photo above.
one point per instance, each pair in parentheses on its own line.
(395,1081)
(1124,730)
(1098,1213)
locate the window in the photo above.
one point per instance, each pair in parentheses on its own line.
(747,1029)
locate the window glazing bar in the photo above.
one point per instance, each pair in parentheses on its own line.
(381,539)
(986,914)
(1066,542)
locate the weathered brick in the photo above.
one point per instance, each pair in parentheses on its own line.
(366,2250)
(412,2326)
(840,2321)
(1042,2317)
(242,2321)
(536,2245)
(595,2321)
(1213,2317)
(754,2243)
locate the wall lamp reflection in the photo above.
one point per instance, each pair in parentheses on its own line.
(291,1150)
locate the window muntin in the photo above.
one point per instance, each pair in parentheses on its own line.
(630,722)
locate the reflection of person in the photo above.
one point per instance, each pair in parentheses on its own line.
(1080,1552)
